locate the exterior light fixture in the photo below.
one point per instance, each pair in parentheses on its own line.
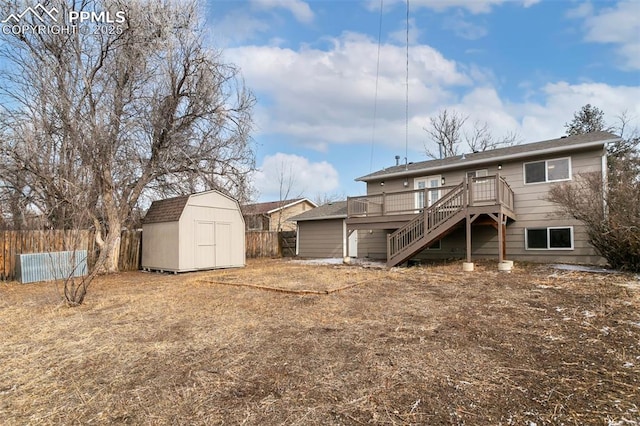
(382,183)
(500,166)
(442,181)
(406,183)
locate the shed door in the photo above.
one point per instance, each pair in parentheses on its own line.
(205,245)
(223,244)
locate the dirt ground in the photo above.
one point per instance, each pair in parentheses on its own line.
(279,343)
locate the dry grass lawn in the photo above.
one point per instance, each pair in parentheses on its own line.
(284,343)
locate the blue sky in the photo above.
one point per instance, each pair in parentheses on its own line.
(520,66)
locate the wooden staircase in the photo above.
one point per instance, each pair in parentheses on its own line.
(427,227)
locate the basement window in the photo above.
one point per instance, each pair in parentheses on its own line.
(555,170)
(552,238)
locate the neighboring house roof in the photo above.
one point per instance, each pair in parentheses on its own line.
(568,143)
(334,210)
(273,206)
(168,210)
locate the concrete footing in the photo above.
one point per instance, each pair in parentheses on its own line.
(505,266)
(467,266)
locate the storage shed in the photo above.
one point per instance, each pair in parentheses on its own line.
(322,232)
(193,232)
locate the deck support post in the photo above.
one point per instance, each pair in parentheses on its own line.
(468,224)
(501,237)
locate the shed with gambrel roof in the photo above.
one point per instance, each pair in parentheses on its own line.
(193,232)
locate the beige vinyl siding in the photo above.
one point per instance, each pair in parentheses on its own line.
(393,185)
(373,244)
(287,213)
(321,238)
(535,211)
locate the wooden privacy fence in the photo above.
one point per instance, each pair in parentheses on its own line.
(270,244)
(262,244)
(13,243)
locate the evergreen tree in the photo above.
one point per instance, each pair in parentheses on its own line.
(588,119)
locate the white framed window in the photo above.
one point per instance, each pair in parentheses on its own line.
(549,238)
(555,170)
(478,173)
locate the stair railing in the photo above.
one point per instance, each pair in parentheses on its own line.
(425,222)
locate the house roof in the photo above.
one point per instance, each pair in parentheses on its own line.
(334,210)
(273,206)
(168,210)
(568,143)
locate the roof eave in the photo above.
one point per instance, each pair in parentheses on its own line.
(292,204)
(341,216)
(463,163)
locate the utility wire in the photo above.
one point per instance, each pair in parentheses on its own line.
(406,137)
(375,98)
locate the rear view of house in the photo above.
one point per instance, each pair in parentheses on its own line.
(486,204)
(193,232)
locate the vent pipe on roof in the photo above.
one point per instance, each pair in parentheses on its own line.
(397,160)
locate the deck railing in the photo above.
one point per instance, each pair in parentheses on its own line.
(478,191)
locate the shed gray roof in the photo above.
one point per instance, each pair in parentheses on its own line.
(569,143)
(334,210)
(168,210)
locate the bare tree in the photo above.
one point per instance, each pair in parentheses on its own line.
(610,210)
(325,198)
(96,119)
(286,183)
(481,139)
(447,130)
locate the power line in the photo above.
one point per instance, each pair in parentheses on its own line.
(375,98)
(406,137)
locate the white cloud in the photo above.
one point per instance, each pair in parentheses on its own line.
(400,36)
(320,97)
(464,28)
(536,121)
(581,11)
(237,26)
(299,9)
(317,98)
(618,25)
(473,6)
(298,176)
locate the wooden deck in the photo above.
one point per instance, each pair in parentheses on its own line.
(417,226)
(482,193)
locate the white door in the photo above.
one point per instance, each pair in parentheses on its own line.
(431,196)
(205,245)
(353,244)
